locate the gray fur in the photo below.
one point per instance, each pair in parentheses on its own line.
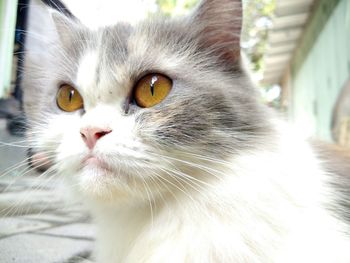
(212,105)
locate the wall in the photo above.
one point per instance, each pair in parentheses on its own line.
(324,70)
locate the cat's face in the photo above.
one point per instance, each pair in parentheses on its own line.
(153,103)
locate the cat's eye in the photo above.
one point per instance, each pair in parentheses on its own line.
(151,90)
(68,98)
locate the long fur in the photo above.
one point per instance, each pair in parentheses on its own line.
(207,175)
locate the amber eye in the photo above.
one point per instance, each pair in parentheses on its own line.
(69,99)
(151,90)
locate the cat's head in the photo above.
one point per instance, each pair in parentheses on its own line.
(135,110)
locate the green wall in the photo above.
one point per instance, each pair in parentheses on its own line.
(321,67)
(8,11)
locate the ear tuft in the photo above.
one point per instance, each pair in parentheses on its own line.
(220,23)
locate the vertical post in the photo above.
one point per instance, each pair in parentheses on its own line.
(8,12)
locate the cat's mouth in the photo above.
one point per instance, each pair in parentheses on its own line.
(95,162)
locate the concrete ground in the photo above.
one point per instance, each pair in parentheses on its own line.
(36,224)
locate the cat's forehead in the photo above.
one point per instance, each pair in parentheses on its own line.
(101,62)
(104,49)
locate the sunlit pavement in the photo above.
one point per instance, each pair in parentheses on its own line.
(36,224)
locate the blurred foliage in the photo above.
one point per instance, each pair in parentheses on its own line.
(175,7)
(257,22)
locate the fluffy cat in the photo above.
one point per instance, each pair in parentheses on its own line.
(159,130)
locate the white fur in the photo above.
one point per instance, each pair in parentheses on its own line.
(266,207)
(263,205)
(260,206)
(87,70)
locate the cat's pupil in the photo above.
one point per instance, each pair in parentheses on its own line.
(71,94)
(153,81)
(152,89)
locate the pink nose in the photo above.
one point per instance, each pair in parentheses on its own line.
(91,135)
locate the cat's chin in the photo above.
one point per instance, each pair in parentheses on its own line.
(95,177)
(100,182)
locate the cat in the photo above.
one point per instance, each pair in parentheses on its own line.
(158,128)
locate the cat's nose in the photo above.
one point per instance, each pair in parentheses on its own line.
(91,135)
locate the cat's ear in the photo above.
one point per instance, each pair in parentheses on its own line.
(220,23)
(67,27)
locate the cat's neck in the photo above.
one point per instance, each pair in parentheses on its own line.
(117,228)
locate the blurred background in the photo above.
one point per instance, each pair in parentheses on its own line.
(299,52)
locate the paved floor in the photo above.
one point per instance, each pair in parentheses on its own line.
(36,225)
